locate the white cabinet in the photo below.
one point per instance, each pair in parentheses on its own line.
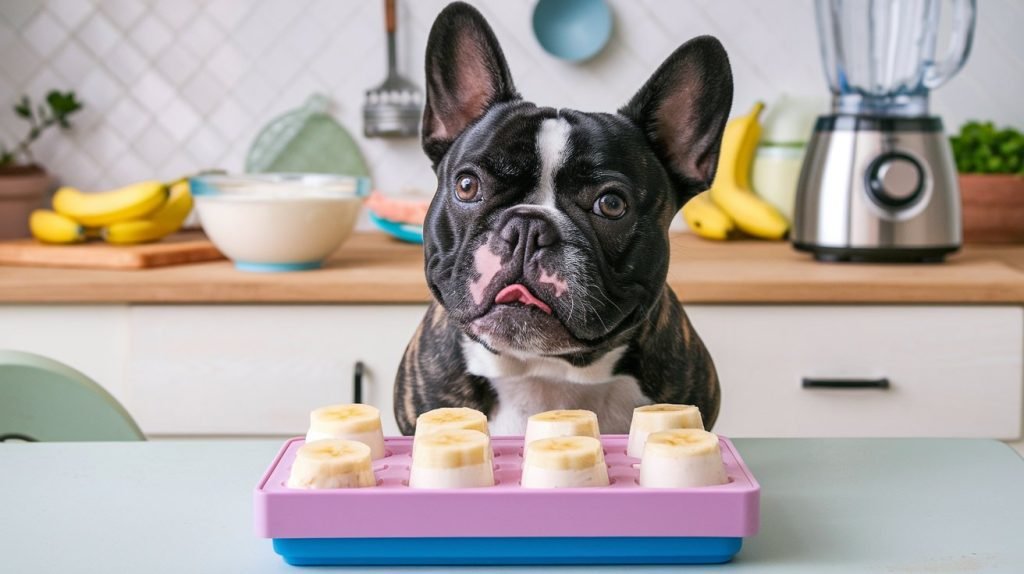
(953,371)
(90,338)
(201,370)
(251,370)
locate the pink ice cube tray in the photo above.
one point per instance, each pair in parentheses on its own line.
(393,510)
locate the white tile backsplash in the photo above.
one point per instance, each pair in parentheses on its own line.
(18,13)
(151,35)
(124,13)
(153,91)
(44,33)
(71,13)
(177,64)
(127,63)
(18,63)
(177,85)
(98,34)
(128,118)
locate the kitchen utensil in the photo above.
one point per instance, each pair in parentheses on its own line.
(278,222)
(392,524)
(176,249)
(573,30)
(393,108)
(306,140)
(878,182)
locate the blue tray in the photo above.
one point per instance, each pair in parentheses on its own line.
(480,551)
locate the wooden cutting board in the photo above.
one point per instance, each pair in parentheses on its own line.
(173,250)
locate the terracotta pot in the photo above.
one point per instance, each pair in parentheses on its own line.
(993,206)
(22,189)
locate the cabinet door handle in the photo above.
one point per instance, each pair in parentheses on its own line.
(357,382)
(882,383)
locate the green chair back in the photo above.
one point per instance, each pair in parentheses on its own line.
(44,400)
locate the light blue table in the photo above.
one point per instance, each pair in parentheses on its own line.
(826,506)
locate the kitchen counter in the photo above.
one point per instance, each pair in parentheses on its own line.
(890,505)
(372,268)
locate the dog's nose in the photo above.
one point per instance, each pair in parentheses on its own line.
(530,228)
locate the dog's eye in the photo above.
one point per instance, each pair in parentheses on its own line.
(610,205)
(467,187)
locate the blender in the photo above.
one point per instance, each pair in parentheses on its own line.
(878,182)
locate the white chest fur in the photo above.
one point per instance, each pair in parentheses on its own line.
(529,385)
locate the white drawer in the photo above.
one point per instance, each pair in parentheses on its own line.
(260,369)
(953,371)
(92,339)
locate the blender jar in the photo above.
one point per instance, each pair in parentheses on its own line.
(879,55)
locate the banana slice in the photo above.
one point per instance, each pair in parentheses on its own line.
(682,458)
(553,424)
(451,418)
(453,458)
(654,418)
(564,462)
(356,422)
(332,463)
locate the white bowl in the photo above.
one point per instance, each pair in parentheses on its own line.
(278,222)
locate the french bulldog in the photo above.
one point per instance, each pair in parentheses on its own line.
(546,244)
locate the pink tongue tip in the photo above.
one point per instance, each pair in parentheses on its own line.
(519,293)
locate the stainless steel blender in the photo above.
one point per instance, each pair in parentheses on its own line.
(878,182)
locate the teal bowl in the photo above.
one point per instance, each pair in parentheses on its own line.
(573,30)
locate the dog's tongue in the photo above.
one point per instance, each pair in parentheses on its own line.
(519,293)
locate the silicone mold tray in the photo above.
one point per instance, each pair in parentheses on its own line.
(507,524)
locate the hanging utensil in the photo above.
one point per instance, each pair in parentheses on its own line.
(393,108)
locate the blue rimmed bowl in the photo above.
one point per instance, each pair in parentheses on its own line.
(278,221)
(573,30)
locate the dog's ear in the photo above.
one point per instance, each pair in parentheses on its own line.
(466,75)
(683,109)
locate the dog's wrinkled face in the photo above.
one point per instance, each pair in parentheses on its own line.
(548,231)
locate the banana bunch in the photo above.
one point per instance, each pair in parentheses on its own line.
(137,213)
(731,203)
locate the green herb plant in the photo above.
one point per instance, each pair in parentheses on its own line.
(58,108)
(981,148)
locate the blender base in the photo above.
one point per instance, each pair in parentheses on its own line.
(877,254)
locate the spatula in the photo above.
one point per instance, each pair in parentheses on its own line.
(393,108)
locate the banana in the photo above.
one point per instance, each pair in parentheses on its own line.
(707,219)
(452,458)
(51,227)
(739,144)
(101,209)
(752,214)
(451,418)
(682,458)
(564,462)
(164,221)
(357,422)
(560,423)
(731,189)
(332,463)
(653,418)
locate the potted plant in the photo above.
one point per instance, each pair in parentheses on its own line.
(24,184)
(991,166)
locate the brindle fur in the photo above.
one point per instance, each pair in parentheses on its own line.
(664,354)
